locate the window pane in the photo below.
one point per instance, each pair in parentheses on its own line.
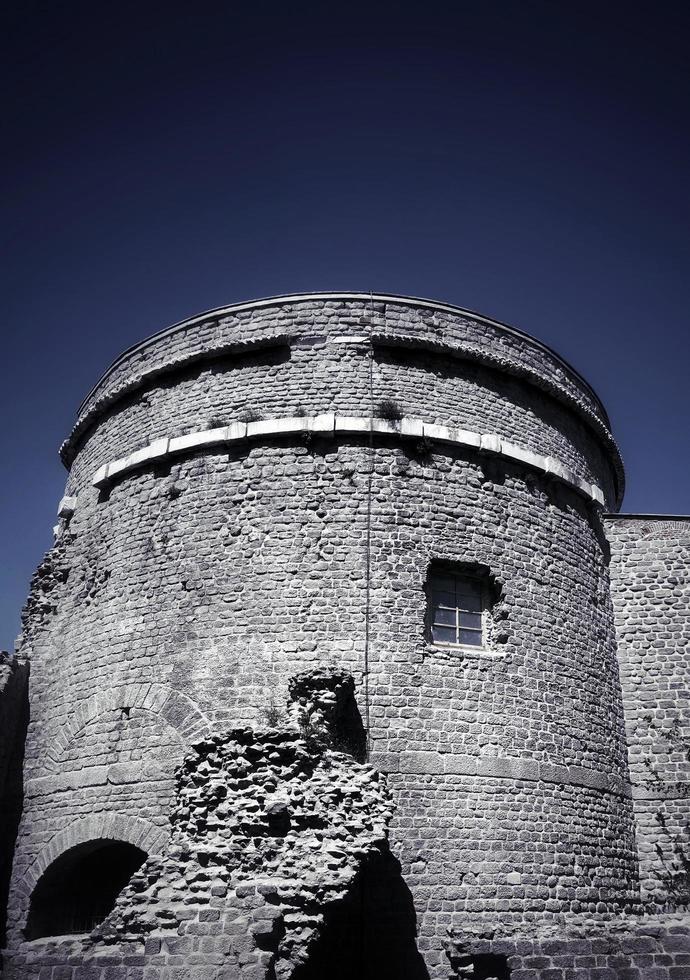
(446,617)
(443,634)
(472,637)
(444,599)
(470,620)
(472,603)
(445,583)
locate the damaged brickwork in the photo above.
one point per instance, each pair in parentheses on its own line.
(258,501)
(268,832)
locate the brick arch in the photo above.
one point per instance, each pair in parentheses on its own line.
(101,826)
(173,708)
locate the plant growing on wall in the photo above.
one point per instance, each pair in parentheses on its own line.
(389,409)
(673,848)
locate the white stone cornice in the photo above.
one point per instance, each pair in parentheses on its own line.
(330,425)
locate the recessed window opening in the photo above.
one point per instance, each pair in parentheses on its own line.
(79,890)
(458,610)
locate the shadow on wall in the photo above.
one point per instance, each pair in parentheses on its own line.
(14,721)
(349,734)
(371,934)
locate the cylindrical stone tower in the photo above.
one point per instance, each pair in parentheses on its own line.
(391,486)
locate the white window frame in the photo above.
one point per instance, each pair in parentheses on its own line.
(464,620)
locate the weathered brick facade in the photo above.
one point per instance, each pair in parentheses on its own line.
(650,565)
(261,492)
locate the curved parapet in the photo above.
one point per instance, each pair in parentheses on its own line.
(391,325)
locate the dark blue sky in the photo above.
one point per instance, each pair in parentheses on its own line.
(527,160)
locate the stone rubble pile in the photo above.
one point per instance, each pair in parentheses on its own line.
(270,828)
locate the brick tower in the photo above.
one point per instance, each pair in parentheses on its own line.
(397,500)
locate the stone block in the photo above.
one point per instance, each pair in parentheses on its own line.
(468,438)
(555,468)
(67,506)
(324,423)
(441,433)
(414,428)
(196,440)
(100,477)
(598,495)
(490,443)
(349,339)
(525,456)
(236,431)
(421,762)
(156,449)
(276,427)
(351,423)
(460,765)
(385,426)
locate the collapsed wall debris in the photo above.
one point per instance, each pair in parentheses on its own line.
(269,831)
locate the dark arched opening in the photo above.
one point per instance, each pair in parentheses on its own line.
(371,934)
(80,888)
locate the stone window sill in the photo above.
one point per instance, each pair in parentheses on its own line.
(463,652)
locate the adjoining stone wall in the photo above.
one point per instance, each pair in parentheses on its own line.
(650,572)
(631,948)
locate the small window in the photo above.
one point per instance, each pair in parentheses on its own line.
(458,609)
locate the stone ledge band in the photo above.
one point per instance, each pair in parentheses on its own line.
(500,767)
(509,768)
(331,425)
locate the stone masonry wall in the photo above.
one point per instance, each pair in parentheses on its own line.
(13,711)
(269,830)
(650,568)
(303,354)
(181,599)
(630,948)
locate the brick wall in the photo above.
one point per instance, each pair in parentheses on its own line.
(182,597)
(650,569)
(631,948)
(13,720)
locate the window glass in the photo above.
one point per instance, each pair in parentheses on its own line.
(444,634)
(473,637)
(457,610)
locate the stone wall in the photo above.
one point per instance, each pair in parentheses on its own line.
(308,355)
(13,720)
(183,594)
(270,830)
(631,948)
(650,569)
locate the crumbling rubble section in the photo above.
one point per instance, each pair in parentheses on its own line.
(323,706)
(46,589)
(269,831)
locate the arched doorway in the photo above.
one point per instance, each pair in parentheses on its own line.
(79,889)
